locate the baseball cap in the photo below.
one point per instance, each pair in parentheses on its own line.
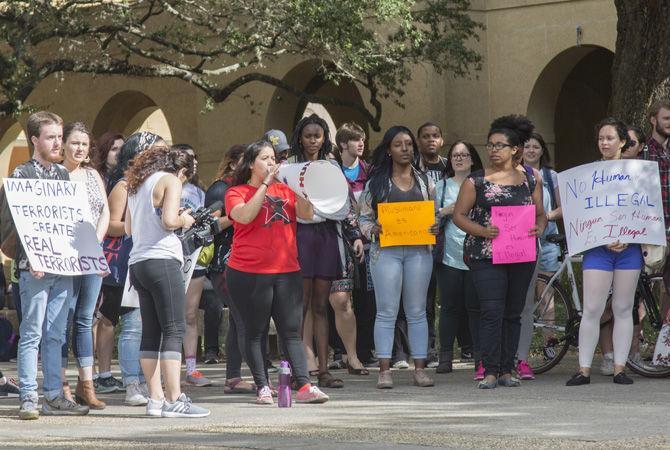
(278,140)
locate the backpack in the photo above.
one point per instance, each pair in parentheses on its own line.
(8,340)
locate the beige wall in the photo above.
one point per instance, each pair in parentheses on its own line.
(521,40)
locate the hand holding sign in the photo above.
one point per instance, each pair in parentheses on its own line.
(516,242)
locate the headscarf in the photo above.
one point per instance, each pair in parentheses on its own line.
(135,144)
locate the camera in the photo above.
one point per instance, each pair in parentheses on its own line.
(202,232)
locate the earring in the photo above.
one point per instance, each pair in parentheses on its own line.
(87,159)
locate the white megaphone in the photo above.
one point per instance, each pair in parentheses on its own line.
(321,183)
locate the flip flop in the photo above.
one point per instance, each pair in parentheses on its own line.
(327,380)
(232,386)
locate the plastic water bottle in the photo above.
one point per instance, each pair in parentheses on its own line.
(284,399)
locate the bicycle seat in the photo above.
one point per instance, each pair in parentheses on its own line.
(555,238)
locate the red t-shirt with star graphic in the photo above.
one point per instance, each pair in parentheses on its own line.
(268,243)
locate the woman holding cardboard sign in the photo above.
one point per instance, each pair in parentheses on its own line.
(263,274)
(501,287)
(615,265)
(398,269)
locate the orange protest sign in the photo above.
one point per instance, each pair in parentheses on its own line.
(406,223)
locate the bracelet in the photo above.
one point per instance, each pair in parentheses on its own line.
(265,184)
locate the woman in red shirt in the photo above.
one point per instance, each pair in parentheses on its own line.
(263,274)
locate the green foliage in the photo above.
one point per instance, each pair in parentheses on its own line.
(376,44)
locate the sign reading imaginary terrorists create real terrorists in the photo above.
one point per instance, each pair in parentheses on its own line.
(609,201)
(53,222)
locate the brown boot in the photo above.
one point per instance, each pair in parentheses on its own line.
(85,395)
(67,392)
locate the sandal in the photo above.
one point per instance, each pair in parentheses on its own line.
(238,386)
(326,380)
(353,371)
(314,373)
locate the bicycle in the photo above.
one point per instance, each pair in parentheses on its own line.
(557,315)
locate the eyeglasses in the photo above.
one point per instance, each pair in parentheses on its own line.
(460,156)
(498,146)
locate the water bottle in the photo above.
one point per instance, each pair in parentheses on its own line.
(284,399)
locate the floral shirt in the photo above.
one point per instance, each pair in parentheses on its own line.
(491,194)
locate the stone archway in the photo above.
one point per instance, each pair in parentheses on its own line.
(569,97)
(285,109)
(13,146)
(130,111)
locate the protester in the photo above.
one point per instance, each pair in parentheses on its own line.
(193,198)
(106,154)
(536,156)
(401,270)
(501,288)
(223,241)
(279,142)
(614,266)
(110,310)
(350,144)
(154,184)
(430,141)
(86,288)
(45,297)
(263,275)
(637,143)
(318,249)
(458,298)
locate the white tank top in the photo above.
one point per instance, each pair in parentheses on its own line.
(150,239)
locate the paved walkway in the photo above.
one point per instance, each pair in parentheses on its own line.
(540,414)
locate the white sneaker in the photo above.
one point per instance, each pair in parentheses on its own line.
(402,364)
(155,407)
(607,366)
(135,395)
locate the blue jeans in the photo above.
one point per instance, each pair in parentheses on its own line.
(401,272)
(86,289)
(44,306)
(129,347)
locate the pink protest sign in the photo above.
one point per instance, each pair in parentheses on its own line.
(513,245)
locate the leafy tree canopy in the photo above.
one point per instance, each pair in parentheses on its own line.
(220,45)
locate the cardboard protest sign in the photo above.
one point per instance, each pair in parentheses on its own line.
(406,223)
(132,300)
(513,244)
(54,225)
(609,201)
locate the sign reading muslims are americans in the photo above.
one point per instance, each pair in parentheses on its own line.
(53,222)
(608,201)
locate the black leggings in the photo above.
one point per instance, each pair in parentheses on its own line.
(257,297)
(501,289)
(458,303)
(160,286)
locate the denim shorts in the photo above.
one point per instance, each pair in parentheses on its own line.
(549,257)
(602,258)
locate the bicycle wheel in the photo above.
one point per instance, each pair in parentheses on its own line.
(640,361)
(553,325)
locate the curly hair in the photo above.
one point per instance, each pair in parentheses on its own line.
(296,144)
(517,129)
(158,158)
(102,147)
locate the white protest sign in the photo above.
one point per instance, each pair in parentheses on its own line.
(609,201)
(53,222)
(132,300)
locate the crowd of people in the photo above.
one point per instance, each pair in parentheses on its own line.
(325,282)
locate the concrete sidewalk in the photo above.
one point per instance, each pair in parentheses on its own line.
(453,414)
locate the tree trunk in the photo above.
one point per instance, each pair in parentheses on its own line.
(641,69)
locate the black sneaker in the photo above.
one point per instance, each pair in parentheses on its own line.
(622,378)
(466,356)
(108,385)
(578,379)
(211,358)
(271,367)
(9,388)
